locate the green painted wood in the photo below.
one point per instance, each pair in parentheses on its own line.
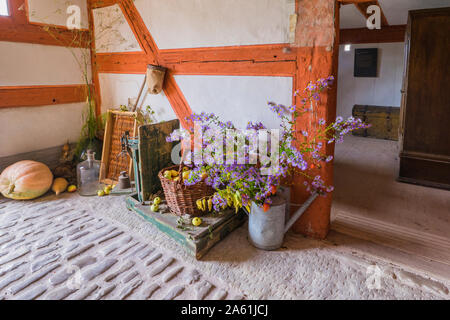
(154,154)
(196,240)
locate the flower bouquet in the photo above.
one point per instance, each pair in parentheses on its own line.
(249,165)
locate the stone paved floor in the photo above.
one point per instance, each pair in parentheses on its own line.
(52,250)
(72,247)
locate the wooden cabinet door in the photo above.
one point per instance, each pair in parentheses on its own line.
(425,125)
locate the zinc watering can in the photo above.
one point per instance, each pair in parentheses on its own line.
(266,230)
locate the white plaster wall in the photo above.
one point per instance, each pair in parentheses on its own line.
(34,128)
(383,90)
(24,64)
(210,23)
(112,31)
(238,99)
(116,89)
(55,11)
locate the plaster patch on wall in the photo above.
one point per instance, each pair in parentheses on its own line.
(211,23)
(55,11)
(116,89)
(25,64)
(315,23)
(36,128)
(236,98)
(112,31)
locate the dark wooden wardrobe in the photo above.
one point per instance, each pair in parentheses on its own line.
(425,110)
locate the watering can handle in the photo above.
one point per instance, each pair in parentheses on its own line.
(299,212)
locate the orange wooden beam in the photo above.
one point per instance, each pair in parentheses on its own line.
(30,96)
(352,1)
(30,33)
(235,68)
(363,35)
(140,30)
(136,62)
(102,3)
(17,28)
(126,62)
(177,100)
(313,63)
(256,53)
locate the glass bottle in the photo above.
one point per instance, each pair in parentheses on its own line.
(88,173)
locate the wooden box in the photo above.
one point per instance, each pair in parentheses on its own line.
(113,160)
(195,240)
(384,121)
(151,153)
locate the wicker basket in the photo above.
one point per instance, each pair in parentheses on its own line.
(180,198)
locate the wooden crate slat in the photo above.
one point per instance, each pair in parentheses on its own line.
(154,154)
(117,122)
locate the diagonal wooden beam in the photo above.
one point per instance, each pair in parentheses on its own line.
(177,100)
(140,30)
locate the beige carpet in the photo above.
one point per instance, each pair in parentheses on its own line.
(369,203)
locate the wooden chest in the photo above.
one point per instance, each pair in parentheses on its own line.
(384,121)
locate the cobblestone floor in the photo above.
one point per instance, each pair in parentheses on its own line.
(55,251)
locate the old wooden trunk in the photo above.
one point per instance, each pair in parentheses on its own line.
(384,121)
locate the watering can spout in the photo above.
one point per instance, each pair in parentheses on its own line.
(299,212)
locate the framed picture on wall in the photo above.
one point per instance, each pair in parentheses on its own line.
(366,62)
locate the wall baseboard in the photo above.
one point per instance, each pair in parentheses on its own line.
(420,243)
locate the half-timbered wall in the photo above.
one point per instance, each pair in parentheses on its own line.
(227,57)
(28,67)
(186,24)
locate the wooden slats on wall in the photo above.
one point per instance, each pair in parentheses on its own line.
(28,96)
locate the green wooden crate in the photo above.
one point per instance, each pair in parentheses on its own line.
(196,240)
(151,153)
